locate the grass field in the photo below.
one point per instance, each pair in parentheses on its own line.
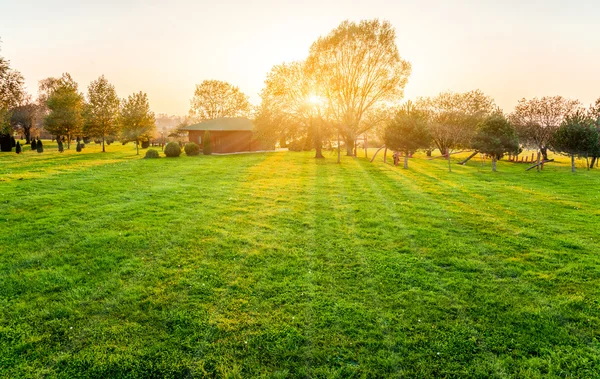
(279,265)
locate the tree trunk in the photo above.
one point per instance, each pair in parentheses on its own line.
(405,160)
(349,146)
(318,142)
(572,163)
(27,132)
(493,163)
(592,162)
(366,146)
(68,142)
(544,151)
(104,151)
(338,147)
(137,147)
(385,155)
(448,156)
(587,162)
(538,160)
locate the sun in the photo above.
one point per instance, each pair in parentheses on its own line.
(314,99)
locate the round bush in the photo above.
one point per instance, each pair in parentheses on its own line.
(172,149)
(192,149)
(151,153)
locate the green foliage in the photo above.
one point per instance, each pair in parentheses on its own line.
(279,265)
(136,119)
(407,131)
(172,149)
(496,136)
(65,105)
(207,144)
(577,135)
(214,99)
(151,153)
(191,149)
(102,109)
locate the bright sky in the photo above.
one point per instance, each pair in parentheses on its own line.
(509,49)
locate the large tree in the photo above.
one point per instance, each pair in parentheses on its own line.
(24,117)
(101,110)
(495,137)
(290,110)
(11,94)
(136,119)
(537,119)
(65,105)
(576,136)
(214,99)
(453,118)
(407,131)
(359,67)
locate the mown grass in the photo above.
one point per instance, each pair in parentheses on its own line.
(280,265)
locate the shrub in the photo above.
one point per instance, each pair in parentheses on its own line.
(172,149)
(207,150)
(192,149)
(145,144)
(33,144)
(18,148)
(40,147)
(151,153)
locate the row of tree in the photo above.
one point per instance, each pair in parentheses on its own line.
(67,113)
(549,123)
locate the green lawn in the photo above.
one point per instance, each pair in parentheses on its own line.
(280,265)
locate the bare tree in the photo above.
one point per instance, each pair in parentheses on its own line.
(290,108)
(359,67)
(537,119)
(453,118)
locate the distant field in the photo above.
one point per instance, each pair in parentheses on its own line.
(279,265)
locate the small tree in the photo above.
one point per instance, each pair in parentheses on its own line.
(33,144)
(495,136)
(40,146)
(136,119)
(65,104)
(102,110)
(18,148)
(207,145)
(577,135)
(407,131)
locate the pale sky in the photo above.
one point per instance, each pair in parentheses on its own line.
(507,48)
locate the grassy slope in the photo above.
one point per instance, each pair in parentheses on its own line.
(280,265)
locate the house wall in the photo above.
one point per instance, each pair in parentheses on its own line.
(228,141)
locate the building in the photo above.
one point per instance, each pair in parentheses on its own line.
(228,135)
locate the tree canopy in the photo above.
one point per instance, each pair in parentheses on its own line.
(537,119)
(359,67)
(495,136)
(65,104)
(453,118)
(214,99)
(290,110)
(576,136)
(136,119)
(101,110)
(407,131)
